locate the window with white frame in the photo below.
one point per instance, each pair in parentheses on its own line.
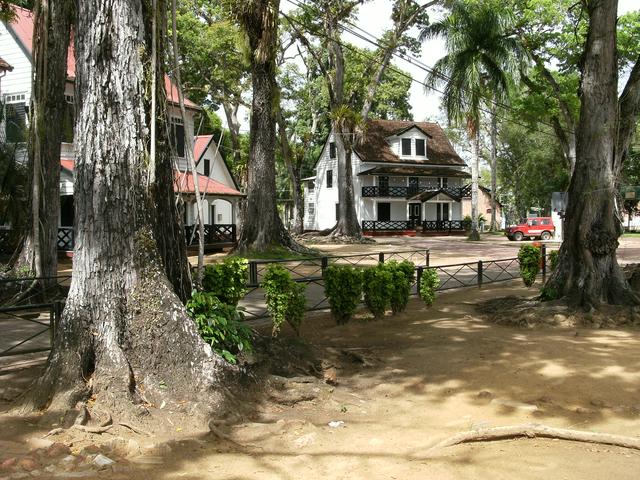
(16,112)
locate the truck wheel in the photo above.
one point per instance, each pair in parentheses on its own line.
(545,236)
(518,236)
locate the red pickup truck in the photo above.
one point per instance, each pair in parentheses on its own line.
(536,227)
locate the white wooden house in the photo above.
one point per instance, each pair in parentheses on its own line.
(407,177)
(215,178)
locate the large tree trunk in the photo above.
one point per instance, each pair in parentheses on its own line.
(493,164)
(52,24)
(588,273)
(262,227)
(475,152)
(124,338)
(347,225)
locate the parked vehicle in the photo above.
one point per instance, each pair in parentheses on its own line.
(535,227)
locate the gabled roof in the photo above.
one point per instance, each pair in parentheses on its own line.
(184,184)
(21,27)
(4,66)
(201,144)
(375,147)
(424,196)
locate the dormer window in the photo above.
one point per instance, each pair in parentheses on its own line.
(406,147)
(420,150)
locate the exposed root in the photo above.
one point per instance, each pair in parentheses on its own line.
(98,430)
(533,430)
(53,432)
(139,431)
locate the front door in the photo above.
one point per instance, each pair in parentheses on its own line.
(384,212)
(415,214)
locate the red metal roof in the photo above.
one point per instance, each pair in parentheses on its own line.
(22,27)
(201,144)
(185,184)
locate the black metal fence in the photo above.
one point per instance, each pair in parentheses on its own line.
(29,321)
(442,225)
(213,234)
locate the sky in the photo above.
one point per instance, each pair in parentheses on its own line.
(375,17)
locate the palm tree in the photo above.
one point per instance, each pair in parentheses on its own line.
(481,56)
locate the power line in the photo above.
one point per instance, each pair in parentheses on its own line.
(412,60)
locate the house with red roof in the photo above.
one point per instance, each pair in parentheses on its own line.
(407,179)
(215,180)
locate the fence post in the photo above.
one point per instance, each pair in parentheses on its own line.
(418,279)
(479,273)
(253,273)
(381,257)
(543,250)
(427,257)
(324,264)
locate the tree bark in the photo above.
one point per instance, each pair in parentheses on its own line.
(347,225)
(125,338)
(493,163)
(262,227)
(475,152)
(52,26)
(588,273)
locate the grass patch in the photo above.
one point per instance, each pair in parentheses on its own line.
(631,235)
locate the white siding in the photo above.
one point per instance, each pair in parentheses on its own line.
(396,145)
(66,182)
(223,212)
(18,80)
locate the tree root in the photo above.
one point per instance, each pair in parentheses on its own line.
(533,430)
(98,430)
(134,429)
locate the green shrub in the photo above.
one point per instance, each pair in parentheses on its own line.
(285,298)
(220,325)
(548,293)
(377,288)
(402,274)
(529,258)
(343,288)
(227,280)
(429,282)
(466,223)
(553,259)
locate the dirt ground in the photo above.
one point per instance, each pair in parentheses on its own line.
(402,384)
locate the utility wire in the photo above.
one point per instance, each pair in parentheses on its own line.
(409,59)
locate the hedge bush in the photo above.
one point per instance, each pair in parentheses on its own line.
(227,280)
(285,298)
(402,274)
(377,289)
(343,288)
(220,325)
(529,258)
(429,282)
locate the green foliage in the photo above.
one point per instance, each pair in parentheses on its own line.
(548,293)
(220,325)
(429,282)
(227,280)
(285,298)
(529,258)
(402,275)
(466,222)
(343,288)
(377,288)
(553,259)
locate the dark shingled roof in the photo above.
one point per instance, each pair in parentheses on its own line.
(417,171)
(4,65)
(375,148)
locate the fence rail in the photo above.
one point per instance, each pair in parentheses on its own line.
(305,270)
(213,234)
(388,225)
